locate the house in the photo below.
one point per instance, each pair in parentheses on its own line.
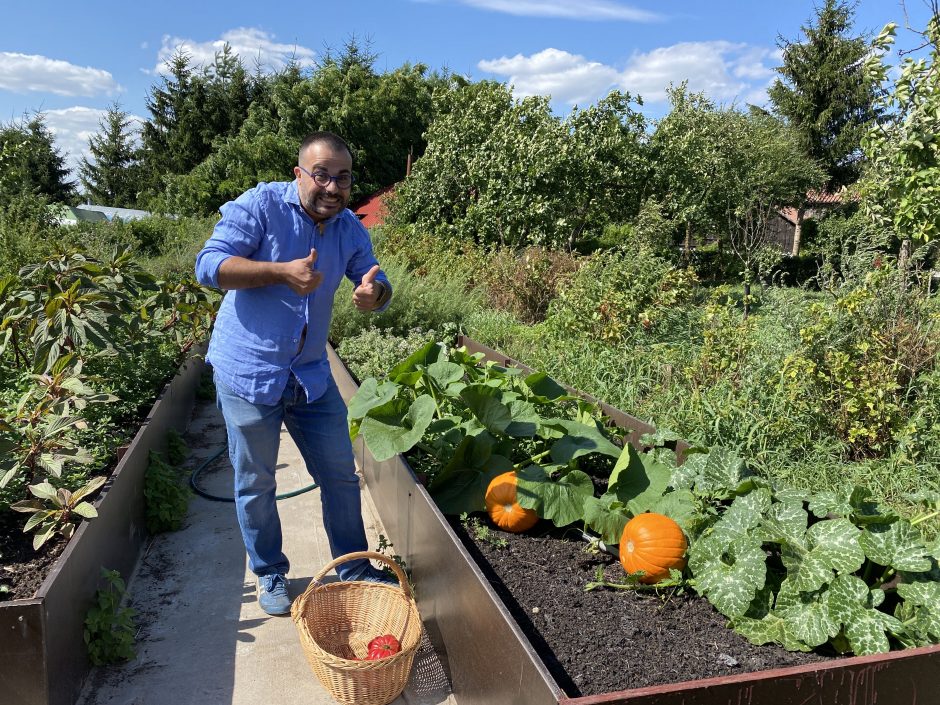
(786,224)
(372,209)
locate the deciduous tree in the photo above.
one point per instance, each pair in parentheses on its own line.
(901,189)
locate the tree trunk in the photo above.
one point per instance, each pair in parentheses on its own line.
(797,231)
(904,262)
(747,299)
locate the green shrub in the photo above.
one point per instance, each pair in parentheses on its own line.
(427,303)
(166,498)
(374,351)
(109,628)
(525,283)
(28,232)
(619,292)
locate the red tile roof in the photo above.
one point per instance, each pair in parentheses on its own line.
(371,210)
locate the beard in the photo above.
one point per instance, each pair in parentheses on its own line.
(321,205)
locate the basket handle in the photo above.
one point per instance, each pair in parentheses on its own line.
(372,555)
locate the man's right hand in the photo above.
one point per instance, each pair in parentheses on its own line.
(300,275)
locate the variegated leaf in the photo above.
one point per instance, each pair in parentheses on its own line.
(785,522)
(829,546)
(852,604)
(808,619)
(923,598)
(744,514)
(897,545)
(772,629)
(729,575)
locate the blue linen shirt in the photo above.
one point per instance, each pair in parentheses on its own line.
(256,340)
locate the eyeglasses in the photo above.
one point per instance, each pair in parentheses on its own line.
(321,178)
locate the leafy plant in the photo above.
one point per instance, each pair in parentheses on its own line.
(475,421)
(176,449)
(166,498)
(109,628)
(805,570)
(66,506)
(481,531)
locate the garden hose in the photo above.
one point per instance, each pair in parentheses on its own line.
(215,498)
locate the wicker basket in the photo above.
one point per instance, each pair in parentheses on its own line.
(336,621)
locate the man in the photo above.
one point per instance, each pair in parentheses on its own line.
(280,252)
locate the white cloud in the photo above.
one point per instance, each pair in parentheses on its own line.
(22,73)
(583,10)
(722,70)
(252,45)
(568,78)
(73,127)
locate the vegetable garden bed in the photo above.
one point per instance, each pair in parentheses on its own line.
(498,655)
(43,658)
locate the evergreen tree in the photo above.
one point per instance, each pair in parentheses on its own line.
(30,163)
(193,108)
(111,177)
(825,95)
(165,142)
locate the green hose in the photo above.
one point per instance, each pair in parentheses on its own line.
(215,498)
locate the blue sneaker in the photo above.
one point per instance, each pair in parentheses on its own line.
(272,594)
(371,574)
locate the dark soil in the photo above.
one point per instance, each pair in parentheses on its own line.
(23,569)
(609,639)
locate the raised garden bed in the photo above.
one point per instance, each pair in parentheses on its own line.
(496,658)
(43,659)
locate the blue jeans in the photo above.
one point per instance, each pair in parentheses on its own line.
(320,430)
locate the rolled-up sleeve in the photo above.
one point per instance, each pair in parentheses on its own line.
(237,233)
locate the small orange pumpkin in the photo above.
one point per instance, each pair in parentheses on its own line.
(653,543)
(503,508)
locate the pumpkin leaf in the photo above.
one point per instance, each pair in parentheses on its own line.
(829,546)
(395,427)
(545,389)
(922,603)
(423,356)
(464,492)
(370,395)
(718,473)
(606,516)
(445,373)
(560,501)
(729,574)
(852,603)
(897,545)
(580,439)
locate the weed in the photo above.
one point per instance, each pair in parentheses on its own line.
(109,628)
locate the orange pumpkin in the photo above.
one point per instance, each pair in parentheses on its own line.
(653,543)
(503,508)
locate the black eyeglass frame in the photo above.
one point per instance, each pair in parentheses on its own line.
(322,179)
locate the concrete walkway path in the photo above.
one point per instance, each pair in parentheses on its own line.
(202,639)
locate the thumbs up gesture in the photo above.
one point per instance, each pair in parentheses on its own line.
(366,295)
(301,274)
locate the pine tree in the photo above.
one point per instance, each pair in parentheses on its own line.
(111,178)
(825,95)
(31,163)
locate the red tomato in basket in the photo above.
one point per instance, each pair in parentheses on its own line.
(383,646)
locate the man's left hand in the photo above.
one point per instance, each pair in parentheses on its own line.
(366,295)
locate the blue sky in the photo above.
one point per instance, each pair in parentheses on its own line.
(72,60)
